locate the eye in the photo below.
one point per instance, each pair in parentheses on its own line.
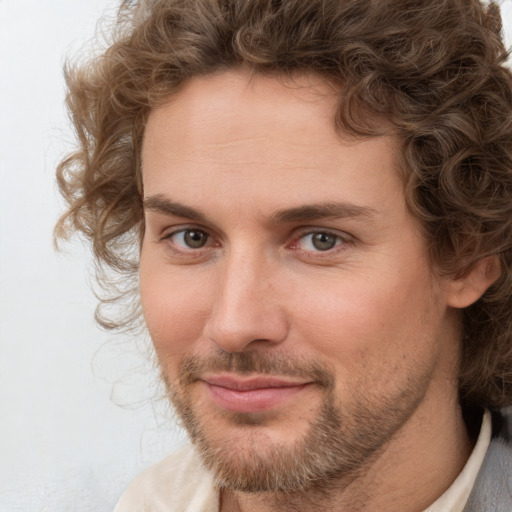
(319,241)
(189,238)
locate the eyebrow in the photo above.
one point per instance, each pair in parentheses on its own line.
(329,210)
(160,204)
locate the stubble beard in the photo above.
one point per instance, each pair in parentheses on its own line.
(337,446)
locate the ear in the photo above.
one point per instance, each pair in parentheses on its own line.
(466,290)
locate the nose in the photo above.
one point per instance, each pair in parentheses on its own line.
(247,309)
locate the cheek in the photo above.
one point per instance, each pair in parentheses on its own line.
(174,311)
(378,325)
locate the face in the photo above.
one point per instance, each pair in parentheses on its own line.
(285,285)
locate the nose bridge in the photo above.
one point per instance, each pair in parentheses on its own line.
(246,307)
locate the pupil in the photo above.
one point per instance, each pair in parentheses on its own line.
(195,239)
(324,241)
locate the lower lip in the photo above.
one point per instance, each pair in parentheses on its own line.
(252,400)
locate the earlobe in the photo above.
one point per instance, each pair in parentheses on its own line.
(466,290)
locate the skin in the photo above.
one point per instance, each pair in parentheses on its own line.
(236,158)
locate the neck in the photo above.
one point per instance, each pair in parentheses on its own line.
(410,472)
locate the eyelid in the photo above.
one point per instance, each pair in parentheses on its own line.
(310,230)
(173,230)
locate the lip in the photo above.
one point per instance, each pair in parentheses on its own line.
(251,394)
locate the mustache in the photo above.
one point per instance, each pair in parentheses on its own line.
(192,367)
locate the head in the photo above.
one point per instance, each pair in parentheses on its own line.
(395,119)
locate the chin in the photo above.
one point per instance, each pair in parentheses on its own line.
(263,452)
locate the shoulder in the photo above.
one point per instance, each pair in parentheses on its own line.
(493,487)
(177,484)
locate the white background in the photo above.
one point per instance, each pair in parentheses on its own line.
(65,446)
(65,443)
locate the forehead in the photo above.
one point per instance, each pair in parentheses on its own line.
(223,108)
(253,136)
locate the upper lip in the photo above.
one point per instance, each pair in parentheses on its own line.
(239,383)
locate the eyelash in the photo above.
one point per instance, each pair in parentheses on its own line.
(341,241)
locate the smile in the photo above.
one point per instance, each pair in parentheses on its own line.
(254,394)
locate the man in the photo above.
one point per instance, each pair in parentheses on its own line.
(321,196)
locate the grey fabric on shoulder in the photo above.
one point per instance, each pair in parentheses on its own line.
(493,487)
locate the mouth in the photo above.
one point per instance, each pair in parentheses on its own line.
(251,394)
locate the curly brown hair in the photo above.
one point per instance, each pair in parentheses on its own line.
(434,69)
